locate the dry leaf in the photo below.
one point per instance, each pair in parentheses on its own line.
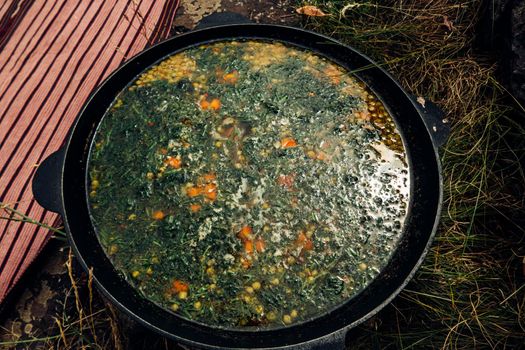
(421,101)
(310,10)
(448,23)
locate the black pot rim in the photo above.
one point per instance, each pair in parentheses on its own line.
(421,224)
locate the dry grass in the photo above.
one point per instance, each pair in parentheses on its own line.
(82,319)
(470,292)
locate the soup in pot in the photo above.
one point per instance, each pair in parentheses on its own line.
(248,184)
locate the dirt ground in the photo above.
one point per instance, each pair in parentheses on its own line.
(260,11)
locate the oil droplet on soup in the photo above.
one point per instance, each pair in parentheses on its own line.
(248,184)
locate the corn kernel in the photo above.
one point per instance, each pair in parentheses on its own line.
(94,184)
(113,249)
(287,319)
(311,154)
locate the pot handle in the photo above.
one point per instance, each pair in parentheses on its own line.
(46,182)
(222,18)
(434,119)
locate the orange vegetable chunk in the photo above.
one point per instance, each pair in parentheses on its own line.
(215,104)
(195,207)
(288,142)
(204,104)
(158,215)
(245,233)
(179,286)
(174,162)
(193,191)
(248,247)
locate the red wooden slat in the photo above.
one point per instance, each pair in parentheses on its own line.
(55,53)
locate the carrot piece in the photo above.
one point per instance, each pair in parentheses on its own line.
(301,238)
(204,104)
(179,286)
(288,142)
(211,195)
(195,207)
(163,151)
(304,241)
(210,177)
(158,215)
(260,245)
(210,191)
(215,104)
(245,233)
(174,162)
(248,246)
(246,264)
(231,78)
(193,191)
(210,187)
(308,244)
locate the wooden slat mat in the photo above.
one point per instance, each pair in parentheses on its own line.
(52,54)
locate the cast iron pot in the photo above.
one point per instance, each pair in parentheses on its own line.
(61,185)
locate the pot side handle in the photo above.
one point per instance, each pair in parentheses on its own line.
(434,119)
(46,182)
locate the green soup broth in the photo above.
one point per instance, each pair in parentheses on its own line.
(248,184)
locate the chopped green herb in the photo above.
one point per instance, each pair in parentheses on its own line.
(248,184)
